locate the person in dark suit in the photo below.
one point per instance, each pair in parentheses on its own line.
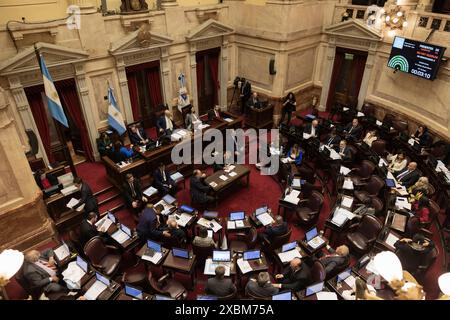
(261,286)
(214,113)
(104,145)
(163,182)
(175,231)
(150,222)
(88,229)
(165,123)
(332,140)
(219,286)
(138,136)
(277,228)
(253,102)
(132,192)
(39,270)
(409,176)
(345,152)
(312,129)
(412,252)
(116,155)
(245,90)
(199,189)
(422,136)
(87,197)
(289,106)
(353,131)
(336,260)
(295,277)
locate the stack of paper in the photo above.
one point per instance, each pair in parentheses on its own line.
(103,224)
(69,190)
(72,275)
(224,178)
(73,202)
(334,155)
(120,236)
(344,170)
(62,252)
(265,219)
(232,174)
(339,218)
(210,224)
(347,202)
(244,266)
(348,184)
(150,191)
(231,225)
(183,219)
(95,290)
(292,197)
(325,295)
(289,255)
(177,177)
(167,207)
(155,259)
(213,184)
(345,212)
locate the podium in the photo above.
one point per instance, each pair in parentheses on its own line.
(260,118)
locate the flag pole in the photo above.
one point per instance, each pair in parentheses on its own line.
(58,126)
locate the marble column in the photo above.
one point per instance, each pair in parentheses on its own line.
(23,216)
(168,3)
(366,76)
(329,62)
(165,75)
(223,73)
(193,72)
(123,83)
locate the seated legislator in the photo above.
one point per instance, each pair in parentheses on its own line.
(289,106)
(312,129)
(191,119)
(261,286)
(421,209)
(332,140)
(116,155)
(370,137)
(39,269)
(253,102)
(345,152)
(277,228)
(397,162)
(132,192)
(88,229)
(126,153)
(199,189)
(295,154)
(163,182)
(219,286)
(353,131)
(165,123)
(295,277)
(138,136)
(421,188)
(202,240)
(214,113)
(175,231)
(408,176)
(87,197)
(150,222)
(422,136)
(104,145)
(412,251)
(336,261)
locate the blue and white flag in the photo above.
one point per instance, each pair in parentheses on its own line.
(54,104)
(115,118)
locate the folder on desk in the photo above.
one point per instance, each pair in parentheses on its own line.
(391,240)
(348,184)
(150,191)
(231,225)
(157,256)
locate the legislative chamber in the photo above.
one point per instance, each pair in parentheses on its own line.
(251,150)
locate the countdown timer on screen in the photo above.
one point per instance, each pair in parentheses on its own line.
(418,58)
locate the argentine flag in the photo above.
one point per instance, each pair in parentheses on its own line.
(115,118)
(54,104)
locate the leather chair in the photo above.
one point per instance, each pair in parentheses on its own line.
(388,117)
(427,261)
(309,209)
(318,273)
(379,147)
(167,286)
(361,174)
(171,242)
(368,109)
(270,245)
(202,253)
(431,190)
(104,258)
(413,226)
(74,237)
(377,204)
(361,236)
(241,242)
(136,276)
(370,189)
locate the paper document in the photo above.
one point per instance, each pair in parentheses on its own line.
(360,114)
(213,184)
(411,141)
(69,190)
(177,176)
(210,267)
(103,224)
(120,236)
(339,218)
(289,255)
(316,242)
(391,240)
(228,119)
(244,266)
(334,155)
(382,163)
(401,190)
(345,109)
(72,203)
(350,281)
(72,275)
(344,170)
(348,184)
(150,191)
(224,178)
(297,183)
(232,174)
(211,224)
(231,225)
(306,136)
(231,167)
(95,290)
(157,256)
(402,203)
(265,219)
(62,252)
(239,224)
(292,197)
(324,295)
(347,202)
(378,123)
(345,212)
(183,219)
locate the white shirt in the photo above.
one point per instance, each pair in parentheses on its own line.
(169,124)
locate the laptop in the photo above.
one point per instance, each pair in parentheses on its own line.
(261,210)
(238,215)
(210,214)
(101,284)
(263,215)
(152,248)
(180,253)
(315,288)
(111,217)
(221,256)
(187,209)
(252,255)
(169,199)
(344,274)
(390,183)
(289,246)
(82,264)
(134,292)
(282,296)
(313,239)
(122,234)
(203,297)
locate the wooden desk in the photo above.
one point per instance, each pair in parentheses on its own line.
(123,296)
(245,228)
(142,250)
(129,244)
(260,118)
(241,172)
(108,294)
(186,266)
(116,175)
(63,217)
(256,265)
(237,120)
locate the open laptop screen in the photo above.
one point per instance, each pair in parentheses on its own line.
(133,292)
(314,288)
(252,255)
(221,256)
(180,253)
(344,275)
(186,209)
(112,217)
(82,264)
(102,279)
(261,210)
(289,246)
(239,215)
(154,246)
(169,199)
(311,234)
(125,229)
(282,296)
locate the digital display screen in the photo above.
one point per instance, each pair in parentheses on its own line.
(415,57)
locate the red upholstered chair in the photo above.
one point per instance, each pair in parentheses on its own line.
(361,236)
(377,204)
(318,273)
(240,242)
(309,209)
(104,258)
(167,286)
(202,253)
(370,189)
(362,173)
